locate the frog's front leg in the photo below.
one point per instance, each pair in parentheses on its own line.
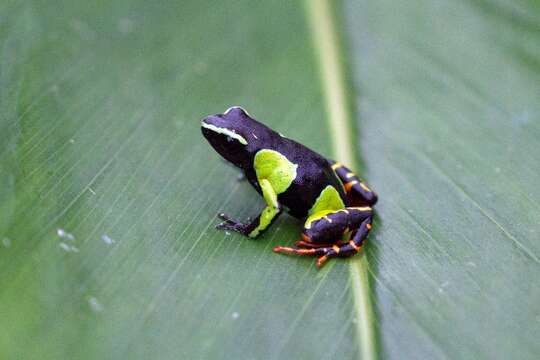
(262,221)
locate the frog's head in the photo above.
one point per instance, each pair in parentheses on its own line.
(231,134)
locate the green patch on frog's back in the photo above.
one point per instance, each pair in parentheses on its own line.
(276,168)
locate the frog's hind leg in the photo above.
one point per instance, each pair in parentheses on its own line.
(332,226)
(306,242)
(310,245)
(354,187)
(351,248)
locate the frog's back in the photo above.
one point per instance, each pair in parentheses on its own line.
(313,174)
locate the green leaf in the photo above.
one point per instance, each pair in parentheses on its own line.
(109,192)
(449,113)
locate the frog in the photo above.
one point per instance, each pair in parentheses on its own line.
(335,205)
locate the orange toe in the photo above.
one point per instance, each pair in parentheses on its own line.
(321,260)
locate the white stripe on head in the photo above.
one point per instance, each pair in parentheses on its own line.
(224,131)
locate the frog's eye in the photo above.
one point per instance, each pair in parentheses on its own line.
(229,139)
(237,109)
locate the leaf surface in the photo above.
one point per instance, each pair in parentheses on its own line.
(110,193)
(449,113)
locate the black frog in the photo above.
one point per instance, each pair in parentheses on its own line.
(333,201)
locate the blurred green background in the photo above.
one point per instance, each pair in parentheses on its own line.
(109,195)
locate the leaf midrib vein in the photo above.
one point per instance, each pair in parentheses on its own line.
(325,39)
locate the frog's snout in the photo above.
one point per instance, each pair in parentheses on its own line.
(205,127)
(212,120)
(205,121)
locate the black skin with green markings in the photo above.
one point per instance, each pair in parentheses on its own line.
(324,236)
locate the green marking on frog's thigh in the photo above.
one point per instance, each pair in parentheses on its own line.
(328,202)
(329,199)
(276,168)
(225,131)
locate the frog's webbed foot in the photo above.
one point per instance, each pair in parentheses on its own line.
(256,226)
(229,224)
